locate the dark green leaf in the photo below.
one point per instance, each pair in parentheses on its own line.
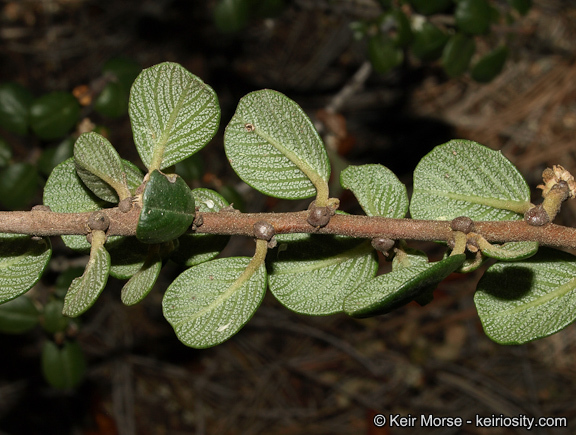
(53,115)
(191,168)
(473,16)
(414,279)
(457,54)
(18,315)
(5,153)
(112,101)
(15,101)
(127,256)
(396,26)
(231,15)
(383,53)
(168,209)
(523,301)
(124,71)
(428,42)
(53,156)
(429,7)
(198,248)
(18,185)
(63,366)
(53,319)
(490,65)
(522,6)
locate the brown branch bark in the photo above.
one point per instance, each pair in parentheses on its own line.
(46,223)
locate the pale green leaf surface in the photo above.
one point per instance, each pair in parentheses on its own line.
(313,274)
(198,248)
(22,262)
(94,154)
(173,114)
(209,303)
(84,290)
(404,284)
(66,193)
(512,251)
(273,146)
(523,301)
(378,190)
(140,284)
(464,178)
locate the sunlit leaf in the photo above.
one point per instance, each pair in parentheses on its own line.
(22,262)
(94,155)
(377,189)
(522,301)
(412,278)
(312,274)
(209,303)
(273,146)
(84,290)
(464,178)
(173,114)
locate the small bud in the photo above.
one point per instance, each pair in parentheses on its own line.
(125,205)
(319,216)
(383,244)
(537,216)
(98,221)
(463,224)
(263,230)
(41,207)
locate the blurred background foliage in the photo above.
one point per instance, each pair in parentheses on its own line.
(384,81)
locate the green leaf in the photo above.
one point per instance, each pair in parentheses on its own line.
(53,321)
(168,209)
(5,153)
(209,303)
(95,155)
(173,114)
(18,185)
(138,287)
(530,299)
(84,290)
(66,193)
(231,15)
(22,262)
(127,255)
(198,248)
(313,274)
(15,101)
(63,366)
(377,189)
(112,101)
(192,168)
(383,53)
(489,66)
(53,115)
(522,6)
(464,178)
(272,145)
(18,316)
(428,42)
(397,26)
(54,155)
(473,16)
(457,54)
(124,70)
(511,251)
(414,279)
(429,7)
